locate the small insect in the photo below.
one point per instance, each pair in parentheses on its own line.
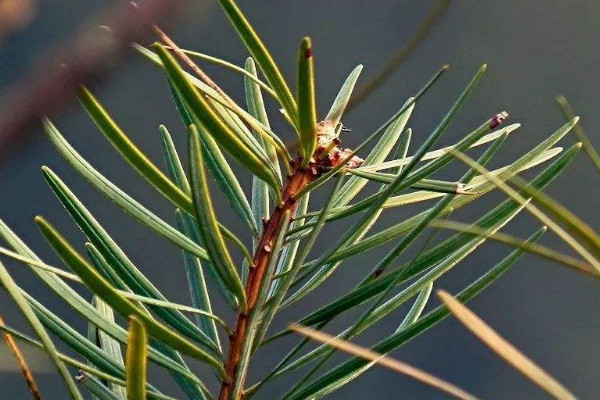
(497,119)
(345,128)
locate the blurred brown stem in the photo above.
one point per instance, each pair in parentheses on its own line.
(51,85)
(15,15)
(23,367)
(296,181)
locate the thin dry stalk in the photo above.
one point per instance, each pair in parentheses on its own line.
(89,57)
(23,366)
(504,349)
(297,180)
(399,58)
(384,361)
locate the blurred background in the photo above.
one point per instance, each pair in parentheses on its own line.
(534,49)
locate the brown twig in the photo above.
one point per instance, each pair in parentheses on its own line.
(188,61)
(296,180)
(23,367)
(299,178)
(413,43)
(51,85)
(231,104)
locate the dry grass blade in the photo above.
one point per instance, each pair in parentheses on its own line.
(591,152)
(504,349)
(385,361)
(533,210)
(23,366)
(542,251)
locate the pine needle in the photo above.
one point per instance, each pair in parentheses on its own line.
(384,361)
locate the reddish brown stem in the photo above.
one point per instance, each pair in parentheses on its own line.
(188,61)
(23,367)
(51,84)
(296,180)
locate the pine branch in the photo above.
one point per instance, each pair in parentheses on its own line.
(297,180)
